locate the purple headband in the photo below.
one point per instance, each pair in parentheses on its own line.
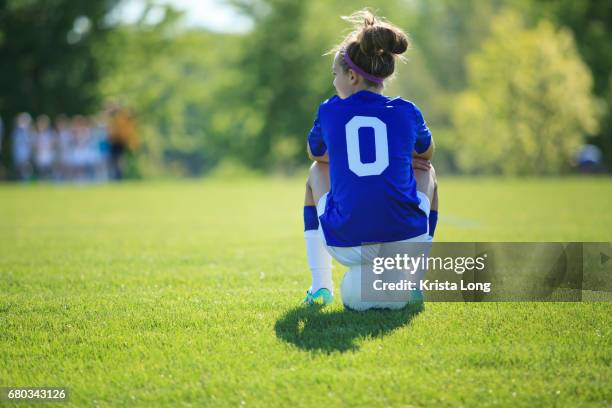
(354,67)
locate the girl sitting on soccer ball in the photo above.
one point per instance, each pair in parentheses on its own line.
(362,187)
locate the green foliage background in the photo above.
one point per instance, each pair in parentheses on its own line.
(507,86)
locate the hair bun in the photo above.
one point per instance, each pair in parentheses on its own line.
(379,38)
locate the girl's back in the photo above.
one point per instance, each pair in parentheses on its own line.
(370,139)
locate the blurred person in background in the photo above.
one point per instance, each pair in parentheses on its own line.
(100,147)
(44,147)
(122,136)
(80,155)
(65,146)
(589,159)
(22,146)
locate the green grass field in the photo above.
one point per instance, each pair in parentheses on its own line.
(187,293)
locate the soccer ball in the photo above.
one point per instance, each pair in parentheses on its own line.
(351,293)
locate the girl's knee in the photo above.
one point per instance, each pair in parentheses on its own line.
(319,166)
(432,174)
(425,180)
(318,180)
(428,175)
(318,170)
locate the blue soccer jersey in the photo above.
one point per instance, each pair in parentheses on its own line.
(370,139)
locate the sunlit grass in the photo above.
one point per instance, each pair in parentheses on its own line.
(187,293)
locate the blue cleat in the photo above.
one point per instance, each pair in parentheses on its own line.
(416,296)
(417,301)
(322,294)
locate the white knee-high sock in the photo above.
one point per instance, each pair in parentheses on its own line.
(319,261)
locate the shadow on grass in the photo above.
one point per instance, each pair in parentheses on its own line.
(314,329)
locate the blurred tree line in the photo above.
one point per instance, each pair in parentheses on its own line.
(507,86)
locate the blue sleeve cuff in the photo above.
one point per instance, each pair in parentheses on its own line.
(422,143)
(315,139)
(318,149)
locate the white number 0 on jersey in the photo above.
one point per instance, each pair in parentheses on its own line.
(380,142)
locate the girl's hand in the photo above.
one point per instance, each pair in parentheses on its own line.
(421,164)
